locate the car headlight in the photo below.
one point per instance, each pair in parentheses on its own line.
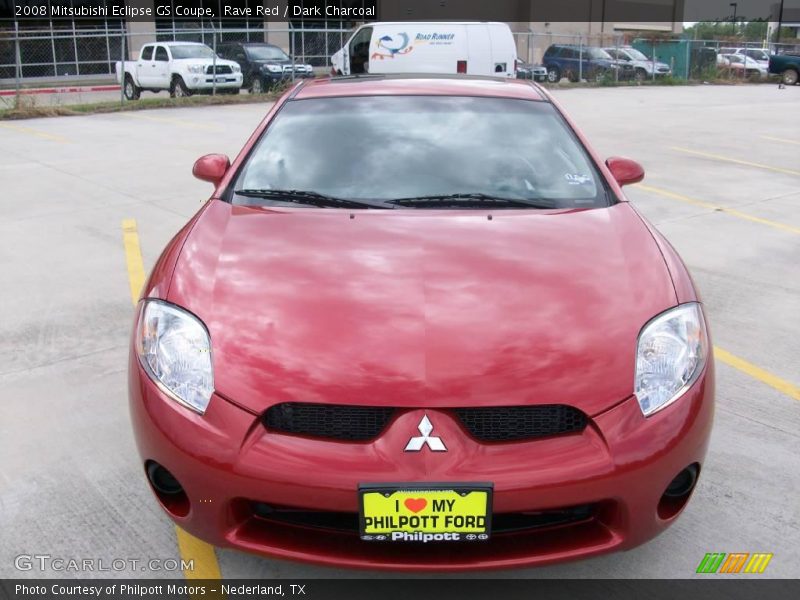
(195,68)
(274,68)
(175,350)
(236,68)
(670,355)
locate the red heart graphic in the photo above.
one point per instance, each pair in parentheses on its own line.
(415,504)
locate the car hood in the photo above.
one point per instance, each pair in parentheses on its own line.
(422,308)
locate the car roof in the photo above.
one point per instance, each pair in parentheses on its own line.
(180,43)
(419,85)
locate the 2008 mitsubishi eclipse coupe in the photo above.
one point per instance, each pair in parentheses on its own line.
(419,326)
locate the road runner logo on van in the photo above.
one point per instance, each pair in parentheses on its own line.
(389,46)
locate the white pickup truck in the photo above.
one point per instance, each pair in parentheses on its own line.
(183,68)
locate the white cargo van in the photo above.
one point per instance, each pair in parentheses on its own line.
(418,47)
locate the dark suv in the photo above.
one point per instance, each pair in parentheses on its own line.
(588,62)
(263,65)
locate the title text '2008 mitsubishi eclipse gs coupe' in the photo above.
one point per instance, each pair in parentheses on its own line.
(418,326)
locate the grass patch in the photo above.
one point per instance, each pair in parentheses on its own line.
(23,108)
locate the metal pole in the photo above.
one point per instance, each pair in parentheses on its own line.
(291,47)
(653,65)
(780,24)
(580,58)
(18,60)
(122,66)
(214,60)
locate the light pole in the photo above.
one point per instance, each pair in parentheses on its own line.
(734,5)
(780,24)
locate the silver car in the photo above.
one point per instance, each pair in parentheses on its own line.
(644,67)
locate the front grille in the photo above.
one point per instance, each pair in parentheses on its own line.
(221,70)
(354,423)
(347,522)
(362,423)
(513,423)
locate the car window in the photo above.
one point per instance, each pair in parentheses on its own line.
(568,53)
(597,53)
(191,51)
(636,54)
(161,54)
(387,147)
(266,53)
(147,53)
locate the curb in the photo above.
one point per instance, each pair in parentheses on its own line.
(62,90)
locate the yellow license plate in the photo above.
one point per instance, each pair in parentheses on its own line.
(396,513)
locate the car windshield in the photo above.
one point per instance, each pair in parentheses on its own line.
(266,53)
(636,55)
(193,51)
(598,53)
(383,148)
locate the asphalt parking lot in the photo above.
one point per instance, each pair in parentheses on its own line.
(723,184)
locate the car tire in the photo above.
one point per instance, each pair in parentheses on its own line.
(640,75)
(789,77)
(553,74)
(256,86)
(178,89)
(572,76)
(131,91)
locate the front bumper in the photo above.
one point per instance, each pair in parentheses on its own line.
(226,460)
(202,81)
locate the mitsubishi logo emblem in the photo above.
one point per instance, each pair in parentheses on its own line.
(416,443)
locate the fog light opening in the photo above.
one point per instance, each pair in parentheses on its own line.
(678,492)
(683,483)
(167,489)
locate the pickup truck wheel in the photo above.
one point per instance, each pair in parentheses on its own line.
(178,89)
(130,90)
(789,77)
(256,87)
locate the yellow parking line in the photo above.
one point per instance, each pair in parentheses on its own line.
(35,132)
(736,161)
(205,560)
(777,139)
(133,257)
(763,376)
(731,211)
(202,556)
(177,122)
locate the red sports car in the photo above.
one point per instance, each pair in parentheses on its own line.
(419,326)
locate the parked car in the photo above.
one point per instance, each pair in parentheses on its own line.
(760,55)
(744,66)
(644,67)
(419,311)
(588,62)
(529,71)
(787,66)
(183,68)
(263,65)
(474,48)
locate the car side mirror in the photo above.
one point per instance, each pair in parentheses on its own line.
(625,170)
(211,167)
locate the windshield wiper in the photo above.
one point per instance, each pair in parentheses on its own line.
(473,200)
(308,197)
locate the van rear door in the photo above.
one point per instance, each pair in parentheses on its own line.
(479,60)
(504,50)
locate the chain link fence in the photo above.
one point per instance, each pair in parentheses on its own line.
(70,65)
